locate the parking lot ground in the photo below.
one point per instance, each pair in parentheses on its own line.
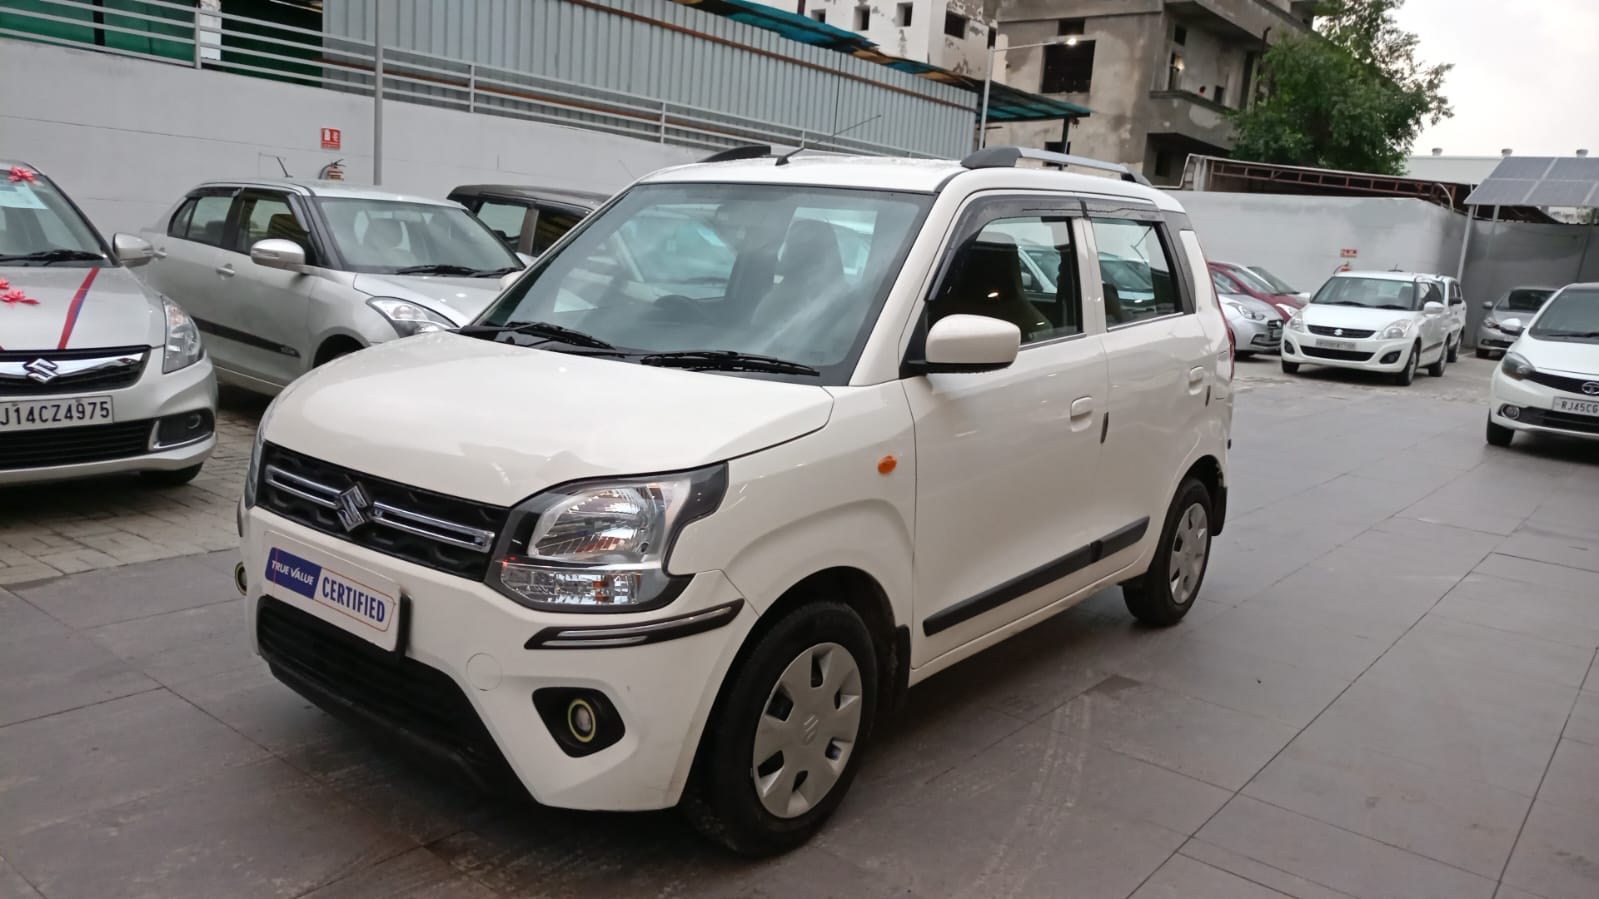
(1387,688)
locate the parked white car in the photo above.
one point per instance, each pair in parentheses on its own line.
(284,275)
(636,549)
(1549,379)
(98,374)
(1392,322)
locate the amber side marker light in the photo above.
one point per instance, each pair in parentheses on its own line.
(887,464)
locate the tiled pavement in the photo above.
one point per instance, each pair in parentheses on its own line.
(1388,689)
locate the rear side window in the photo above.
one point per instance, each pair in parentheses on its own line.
(504,219)
(551,227)
(206,221)
(1137,270)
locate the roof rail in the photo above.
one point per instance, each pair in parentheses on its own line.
(751,151)
(1007,157)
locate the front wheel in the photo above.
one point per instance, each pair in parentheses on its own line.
(1436,369)
(1165,593)
(175,478)
(1290,368)
(1499,435)
(1454,350)
(1408,373)
(785,743)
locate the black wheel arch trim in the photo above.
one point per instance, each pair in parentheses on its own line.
(616,636)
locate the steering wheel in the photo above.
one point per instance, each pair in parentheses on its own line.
(674,302)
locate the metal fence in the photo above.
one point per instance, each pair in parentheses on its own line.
(182,34)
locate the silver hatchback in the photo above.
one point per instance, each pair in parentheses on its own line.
(283,275)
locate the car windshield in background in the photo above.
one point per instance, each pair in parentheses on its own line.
(1373,293)
(789,273)
(1571,315)
(1525,300)
(39,227)
(1276,284)
(1249,279)
(391,237)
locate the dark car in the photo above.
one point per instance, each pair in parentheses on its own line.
(529,219)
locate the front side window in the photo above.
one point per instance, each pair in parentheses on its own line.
(400,238)
(1572,315)
(208,222)
(794,273)
(1371,293)
(268,217)
(1525,300)
(552,226)
(1277,284)
(39,227)
(1138,275)
(1021,270)
(504,219)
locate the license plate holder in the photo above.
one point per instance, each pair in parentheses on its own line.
(64,412)
(1577,407)
(349,597)
(1324,343)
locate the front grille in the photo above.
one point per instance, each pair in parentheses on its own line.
(420,706)
(1351,333)
(69,446)
(1341,355)
(441,532)
(1565,421)
(70,371)
(1561,382)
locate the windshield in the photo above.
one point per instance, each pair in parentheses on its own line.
(1276,284)
(794,273)
(1524,299)
(1250,280)
(390,237)
(1572,315)
(1373,293)
(37,221)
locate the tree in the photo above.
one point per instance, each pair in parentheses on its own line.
(1352,96)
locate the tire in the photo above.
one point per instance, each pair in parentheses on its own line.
(1482,353)
(171,478)
(1499,435)
(724,803)
(1290,368)
(1436,369)
(1160,597)
(1408,373)
(1242,356)
(1454,350)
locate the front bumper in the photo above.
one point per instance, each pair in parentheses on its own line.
(154,396)
(1493,339)
(1371,354)
(466,644)
(1534,408)
(1256,337)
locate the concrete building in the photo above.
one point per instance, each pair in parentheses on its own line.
(950,34)
(1161,76)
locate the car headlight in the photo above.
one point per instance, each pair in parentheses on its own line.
(1397,329)
(252,472)
(1287,311)
(1516,368)
(1251,314)
(602,546)
(407,317)
(1297,323)
(183,347)
(1490,324)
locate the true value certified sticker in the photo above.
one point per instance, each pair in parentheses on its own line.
(359,603)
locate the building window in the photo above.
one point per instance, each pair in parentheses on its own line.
(820,15)
(1163,160)
(1180,36)
(1068,69)
(1174,72)
(1069,26)
(863,17)
(902,15)
(954,25)
(1221,94)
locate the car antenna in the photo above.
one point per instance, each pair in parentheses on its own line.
(783,160)
(283,167)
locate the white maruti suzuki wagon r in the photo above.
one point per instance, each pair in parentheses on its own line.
(750,451)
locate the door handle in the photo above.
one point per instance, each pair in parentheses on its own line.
(225,271)
(1082,406)
(160,253)
(1196,375)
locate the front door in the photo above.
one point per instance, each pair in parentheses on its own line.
(268,309)
(1435,328)
(1007,482)
(188,261)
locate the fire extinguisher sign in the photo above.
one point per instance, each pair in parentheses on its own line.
(332,138)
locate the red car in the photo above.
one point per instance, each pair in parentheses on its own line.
(1237,279)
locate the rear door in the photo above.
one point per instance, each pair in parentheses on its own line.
(510,220)
(189,256)
(1457,308)
(265,313)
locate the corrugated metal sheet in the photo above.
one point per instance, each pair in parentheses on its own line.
(660,49)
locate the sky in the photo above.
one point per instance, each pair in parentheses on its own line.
(1524,77)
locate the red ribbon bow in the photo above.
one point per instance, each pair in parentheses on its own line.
(4,284)
(17,296)
(18,173)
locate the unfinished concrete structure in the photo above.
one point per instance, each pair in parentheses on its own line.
(1160,75)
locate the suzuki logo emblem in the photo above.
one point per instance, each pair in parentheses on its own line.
(42,370)
(1591,388)
(353,504)
(1338,332)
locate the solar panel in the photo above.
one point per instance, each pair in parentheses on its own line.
(1540,181)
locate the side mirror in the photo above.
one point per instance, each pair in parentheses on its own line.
(1512,326)
(1028,281)
(1433,308)
(1486,304)
(971,343)
(133,251)
(277,253)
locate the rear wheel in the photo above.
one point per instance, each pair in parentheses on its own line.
(1499,435)
(1454,350)
(1408,373)
(1165,593)
(784,746)
(171,478)
(1437,368)
(1290,368)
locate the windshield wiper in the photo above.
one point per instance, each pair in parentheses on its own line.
(1339,303)
(1393,306)
(726,360)
(49,256)
(538,329)
(445,268)
(1580,335)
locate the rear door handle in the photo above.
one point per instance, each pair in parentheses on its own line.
(1082,406)
(160,253)
(1196,375)
(225,271)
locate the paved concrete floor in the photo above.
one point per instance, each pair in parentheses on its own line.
(1379,694)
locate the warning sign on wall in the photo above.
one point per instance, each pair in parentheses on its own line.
(1347,253)
(332,138)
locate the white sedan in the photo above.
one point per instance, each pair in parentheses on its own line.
(1390,322)
(1549,379)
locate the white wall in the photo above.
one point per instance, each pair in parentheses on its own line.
(126,138)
